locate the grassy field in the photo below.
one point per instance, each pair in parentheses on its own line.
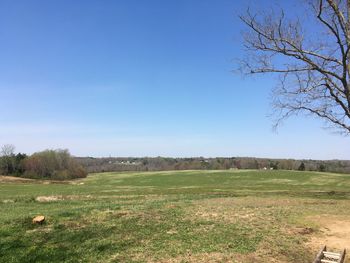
(179,216)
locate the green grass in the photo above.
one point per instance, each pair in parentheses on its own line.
(179,216)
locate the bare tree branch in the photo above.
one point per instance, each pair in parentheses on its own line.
(314,70)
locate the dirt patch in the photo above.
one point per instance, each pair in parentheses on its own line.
(305,230)
(13,179)
(299,230)
(55,198)
(334,233)
(51,198)
(216,257)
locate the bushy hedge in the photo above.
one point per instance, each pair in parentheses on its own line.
(53,164)
(49,164)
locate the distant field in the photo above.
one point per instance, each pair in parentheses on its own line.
(178,216)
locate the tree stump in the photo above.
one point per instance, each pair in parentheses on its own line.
(38,219)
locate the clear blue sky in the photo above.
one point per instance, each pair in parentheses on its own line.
(140,78)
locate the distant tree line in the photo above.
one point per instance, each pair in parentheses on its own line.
(60,165)
(200,163)
(48,164)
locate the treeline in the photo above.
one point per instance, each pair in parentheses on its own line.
(60,165)
(48,164)
(162,163)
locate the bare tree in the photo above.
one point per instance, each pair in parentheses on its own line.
(7,150)
(7,154)
(313,65)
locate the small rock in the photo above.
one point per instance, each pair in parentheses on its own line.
(38,219)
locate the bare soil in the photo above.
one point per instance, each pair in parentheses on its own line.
(334,233)
(14,179)
(9,179)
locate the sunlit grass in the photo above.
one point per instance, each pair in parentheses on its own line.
(233,216)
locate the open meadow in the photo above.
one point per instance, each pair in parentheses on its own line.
(176,216)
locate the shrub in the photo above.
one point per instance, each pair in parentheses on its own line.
(322,168)
(53,164)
